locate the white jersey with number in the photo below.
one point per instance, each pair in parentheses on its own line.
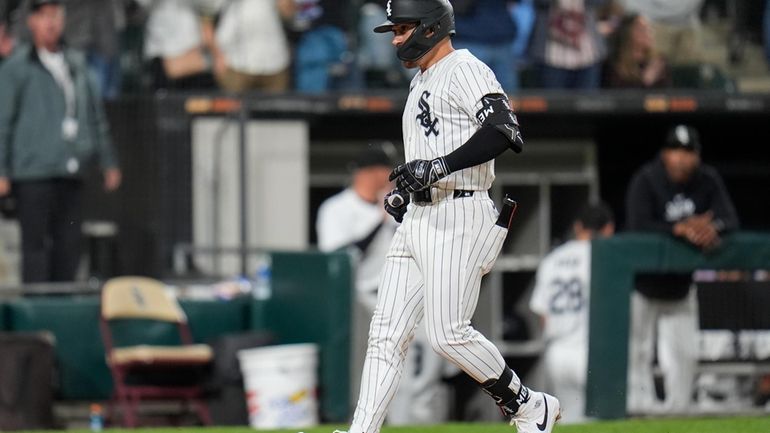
(440,115)
(561,296)
(562,290)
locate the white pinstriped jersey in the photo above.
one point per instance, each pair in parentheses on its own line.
(441,251)
(440,115)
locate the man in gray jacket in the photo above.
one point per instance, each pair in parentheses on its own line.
(51,125)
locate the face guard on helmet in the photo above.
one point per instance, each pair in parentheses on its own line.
(434,19)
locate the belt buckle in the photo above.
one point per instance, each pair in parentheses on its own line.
(462,193)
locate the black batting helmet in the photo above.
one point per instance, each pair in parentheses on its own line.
(435,20)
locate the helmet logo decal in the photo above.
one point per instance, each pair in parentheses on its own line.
(425,118)
(389,10)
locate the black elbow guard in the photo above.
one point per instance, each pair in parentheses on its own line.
(496,112)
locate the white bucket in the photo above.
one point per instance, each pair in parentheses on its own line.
(280,384)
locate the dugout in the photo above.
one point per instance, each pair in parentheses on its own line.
(154,135)
(614,263)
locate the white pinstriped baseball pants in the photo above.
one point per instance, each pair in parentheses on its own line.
(433,269)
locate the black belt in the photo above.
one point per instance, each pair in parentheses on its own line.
(424,196)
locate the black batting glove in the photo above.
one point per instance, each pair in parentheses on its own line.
(395,204)
(419,174)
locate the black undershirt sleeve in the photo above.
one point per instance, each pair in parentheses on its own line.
(484,145)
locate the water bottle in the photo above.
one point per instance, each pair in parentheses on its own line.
(96,418)
(262,289)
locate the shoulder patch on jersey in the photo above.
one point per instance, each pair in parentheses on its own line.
(427,121)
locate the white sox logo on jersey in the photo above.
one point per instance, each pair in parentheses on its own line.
(679,208)
(425,117)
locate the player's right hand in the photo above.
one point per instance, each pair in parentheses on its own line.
(395,204)
(699,230)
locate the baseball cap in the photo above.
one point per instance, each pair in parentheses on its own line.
(375,155)
(683,137)
(37,4)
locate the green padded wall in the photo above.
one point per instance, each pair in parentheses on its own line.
(614,262)
(74,321)
(311,304)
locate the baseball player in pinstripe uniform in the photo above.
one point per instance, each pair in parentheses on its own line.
(456,121)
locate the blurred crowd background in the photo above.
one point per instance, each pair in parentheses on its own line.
(140,46)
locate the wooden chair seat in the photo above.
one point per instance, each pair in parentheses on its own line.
(194,354)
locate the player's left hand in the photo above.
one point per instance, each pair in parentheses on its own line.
(419,174)
(395,203)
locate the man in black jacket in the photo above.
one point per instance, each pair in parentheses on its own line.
(677,194)
(674,194)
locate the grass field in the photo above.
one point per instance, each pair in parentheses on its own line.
(699,425)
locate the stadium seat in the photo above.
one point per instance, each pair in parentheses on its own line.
(147,361)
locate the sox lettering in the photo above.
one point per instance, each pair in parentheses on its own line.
(425,118)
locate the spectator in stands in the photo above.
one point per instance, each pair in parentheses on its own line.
(252,50)
(522,13)
(379,67)
(678,195)
(51,125)
(486,29)
(354,220)
(94,26)
(561,299)
(179,42)
(322,56)
(609,17)
(676,26)
(634,62)
(7,40)
(567,44)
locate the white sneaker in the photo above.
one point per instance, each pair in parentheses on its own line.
(538,414)
(339,431)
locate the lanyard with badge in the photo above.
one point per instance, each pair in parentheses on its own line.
(69,127)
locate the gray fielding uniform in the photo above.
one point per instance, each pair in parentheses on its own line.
(442,249)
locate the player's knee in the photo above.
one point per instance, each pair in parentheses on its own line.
(445,339)
(382,345)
